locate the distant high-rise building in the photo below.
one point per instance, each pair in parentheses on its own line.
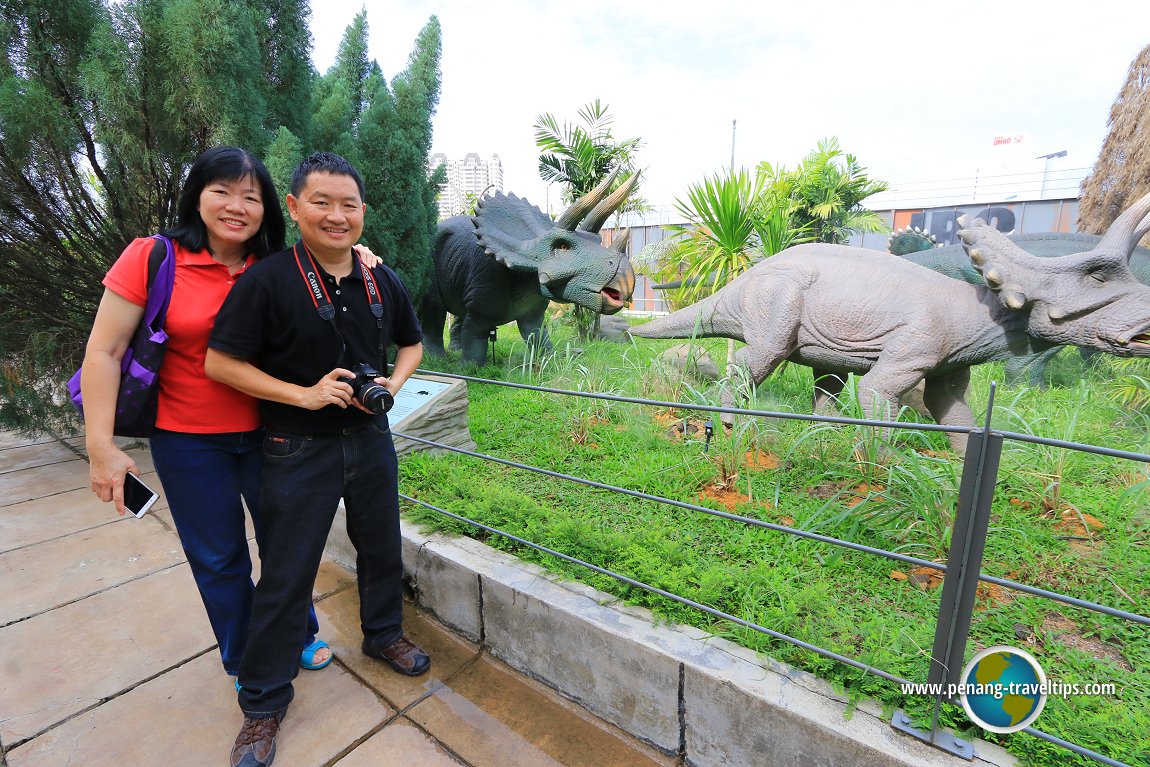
(467,180)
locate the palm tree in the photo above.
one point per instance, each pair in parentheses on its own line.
(719,237)
(731,222)
(579,156)
(827,190)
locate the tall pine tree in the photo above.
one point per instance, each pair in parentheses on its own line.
(386,131)
(281,29)
(103,106)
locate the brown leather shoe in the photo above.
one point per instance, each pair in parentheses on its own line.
(402,655)
(255,746)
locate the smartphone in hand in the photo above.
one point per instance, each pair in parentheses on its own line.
(138,497)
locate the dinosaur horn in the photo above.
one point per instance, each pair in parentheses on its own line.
(621,241)
(574,214)
(1124,234)
(594,221)
(1139,233)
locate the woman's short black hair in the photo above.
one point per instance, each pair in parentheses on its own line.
(228,163)
(324,162)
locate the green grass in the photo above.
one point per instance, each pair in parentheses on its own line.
(842,481)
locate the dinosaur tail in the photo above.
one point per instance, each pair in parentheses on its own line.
(705,319)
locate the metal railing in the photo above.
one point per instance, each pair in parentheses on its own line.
(961,574)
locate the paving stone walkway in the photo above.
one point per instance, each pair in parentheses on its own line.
(108,659)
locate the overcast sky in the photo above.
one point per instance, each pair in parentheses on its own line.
(917,91)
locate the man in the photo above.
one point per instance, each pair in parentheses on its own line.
(310,317)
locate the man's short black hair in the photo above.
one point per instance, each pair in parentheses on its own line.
(324,162)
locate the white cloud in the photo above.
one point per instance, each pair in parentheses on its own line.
(916,91)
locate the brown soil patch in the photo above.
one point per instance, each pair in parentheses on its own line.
(1071,521)
(923,577)
(926,578)
(991,595)
(853,495)
(1065,631)
(679,427)
(757,459)
(728,499)
(934,453)
(1079,528)
(863,492)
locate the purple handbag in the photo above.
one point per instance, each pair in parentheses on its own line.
(140,366)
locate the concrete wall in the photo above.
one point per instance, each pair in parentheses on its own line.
(713,702)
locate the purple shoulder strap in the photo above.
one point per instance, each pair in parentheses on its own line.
(160,288)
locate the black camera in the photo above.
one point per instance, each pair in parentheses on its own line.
(371,395)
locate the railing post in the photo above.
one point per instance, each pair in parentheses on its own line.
(960,584)
(967,543)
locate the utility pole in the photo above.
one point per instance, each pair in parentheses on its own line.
(1046,169)
(732,146)
(728,418)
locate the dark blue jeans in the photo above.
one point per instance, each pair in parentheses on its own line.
(204,477)
(304,479)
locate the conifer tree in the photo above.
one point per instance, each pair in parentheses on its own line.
(103,106)
(395,141)
(281,158)
(338,96)
(386,132)
(285,42)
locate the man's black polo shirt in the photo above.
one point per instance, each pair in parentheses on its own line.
(269,319)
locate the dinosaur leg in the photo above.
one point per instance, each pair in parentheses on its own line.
(945,398)
(473,339)
(903,363)
(828,386)
(532,330)
(770,336)
(1087,354)
(1030,370)
(432,317)
(727,393)
(455,336)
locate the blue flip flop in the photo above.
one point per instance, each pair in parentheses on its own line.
(307,657)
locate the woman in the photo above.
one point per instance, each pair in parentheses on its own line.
(207,443)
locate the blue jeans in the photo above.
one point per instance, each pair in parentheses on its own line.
(204,477)
(304,479)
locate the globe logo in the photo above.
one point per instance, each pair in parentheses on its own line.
(1003,689)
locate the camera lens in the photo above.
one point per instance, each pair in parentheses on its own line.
(375,398)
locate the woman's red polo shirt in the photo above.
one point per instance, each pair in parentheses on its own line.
(189,401)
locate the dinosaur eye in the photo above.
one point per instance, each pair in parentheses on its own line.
(561,245)
(1098,276)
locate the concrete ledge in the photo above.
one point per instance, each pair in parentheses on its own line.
(715,703)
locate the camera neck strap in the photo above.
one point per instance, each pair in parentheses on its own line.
(322,301)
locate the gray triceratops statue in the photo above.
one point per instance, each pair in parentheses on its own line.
(952,261)
(840,310)
(509,260)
